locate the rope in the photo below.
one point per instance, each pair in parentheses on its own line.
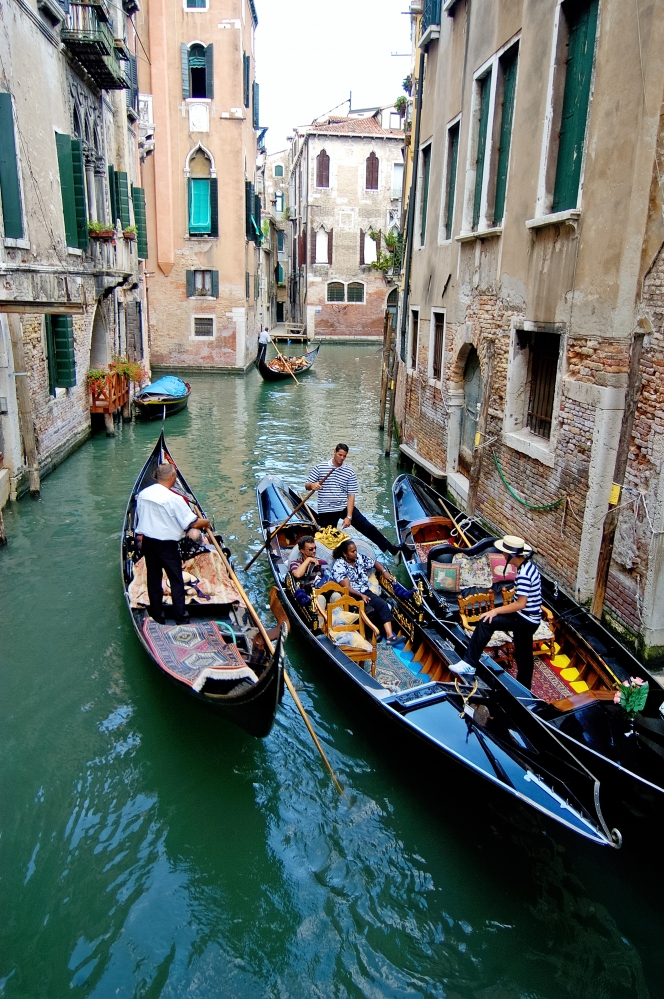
(519,499)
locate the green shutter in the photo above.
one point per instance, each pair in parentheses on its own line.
(509,64)
(79,194)
(215,284)
(256,111)
(246,77)
(111,195)
(214,207)
(122,198)
(50,353)
(60,352)
(199,206)
(190,284)
(138,197)
(184,56)
(63,146)
(209,71)
(9,183)
(426,169)
(258,234)
(582,28)
(248,209)
(453,155)
(485,91)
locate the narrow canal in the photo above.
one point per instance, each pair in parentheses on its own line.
(148,850)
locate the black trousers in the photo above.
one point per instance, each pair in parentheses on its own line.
(378,611)
(163,555)
(522,631)
(361,524)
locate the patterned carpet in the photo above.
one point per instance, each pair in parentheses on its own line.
(195,652)
(547,684)
(393,672)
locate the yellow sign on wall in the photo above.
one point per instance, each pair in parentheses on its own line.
(477,439)
(614,498)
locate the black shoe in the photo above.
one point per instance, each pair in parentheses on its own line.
(183,620)
(160,619)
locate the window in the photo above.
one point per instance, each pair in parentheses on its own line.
(544,351)
(322,169)
(507,66)
(450,178)
(255,105)
(355,292)
(424,204)
(397,180)
(10,188)
(279,203)
(252,214)
(60,357)
(197,70)
(581,22)
(319,246)
(280,274)
(335,292)
(138,199)
(414,337)
(372,172)
(196,4)
(119,196)
(202,284)
(203,197)
(484,86)
(472,400)
(437,346)
(278,170)
(280,240)
(203,327)
(369,248)
(72,190)
(246,78)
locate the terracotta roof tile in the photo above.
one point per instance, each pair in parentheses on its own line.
(355,126)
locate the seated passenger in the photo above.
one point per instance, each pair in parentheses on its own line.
(352,570)
(307,568)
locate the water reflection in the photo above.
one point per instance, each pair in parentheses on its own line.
(147,850)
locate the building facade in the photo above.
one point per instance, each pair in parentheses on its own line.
(72,223)
(345,188)
(275,207)
(531,366)
(200,91)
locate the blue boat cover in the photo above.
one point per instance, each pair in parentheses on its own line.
(168,385)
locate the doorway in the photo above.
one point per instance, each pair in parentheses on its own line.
(472,393)
(280,312)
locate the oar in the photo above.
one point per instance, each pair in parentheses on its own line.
(283,524)
(270,647)
(468,544)
(288,367)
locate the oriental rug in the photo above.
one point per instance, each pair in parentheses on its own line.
(393,673)
(195,652)
(546,684)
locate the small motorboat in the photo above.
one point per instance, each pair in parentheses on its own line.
(166,396)
(283,367)
(219,657)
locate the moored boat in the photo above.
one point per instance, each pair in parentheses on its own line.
(579,666)
(279,368)
(218,658)
(166,396)
(411,689)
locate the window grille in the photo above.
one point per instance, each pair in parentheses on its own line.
(335,292)
(438,341)
(355,292)
(414,337)
(204,326)
(544,350)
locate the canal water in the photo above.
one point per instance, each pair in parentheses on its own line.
(148,850)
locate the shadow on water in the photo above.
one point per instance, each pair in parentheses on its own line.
(148,850)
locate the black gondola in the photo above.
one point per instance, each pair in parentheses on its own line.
(154,402)
(276,374)
(412,690)
(577,674)
(216,658)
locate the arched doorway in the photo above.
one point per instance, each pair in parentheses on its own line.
(100,348)
(472,396)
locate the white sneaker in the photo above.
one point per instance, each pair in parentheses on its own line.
(462,668)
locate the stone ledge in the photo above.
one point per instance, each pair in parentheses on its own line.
(599,396)
(457,487)
(527,443)
(571,215)
(428,466)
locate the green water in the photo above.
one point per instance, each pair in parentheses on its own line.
(148,850)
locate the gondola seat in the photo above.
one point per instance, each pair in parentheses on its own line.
(471,609)
(358,637)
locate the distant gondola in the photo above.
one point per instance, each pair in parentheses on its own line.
(578,669)
(219,657)
(166,396)
(275,370)
(413,692)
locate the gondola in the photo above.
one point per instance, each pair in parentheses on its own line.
(578,670)
(166,396)
(275,370)
(412,692)
(218,658)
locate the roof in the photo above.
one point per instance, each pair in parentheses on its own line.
(354,126)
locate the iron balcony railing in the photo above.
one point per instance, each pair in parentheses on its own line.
(90,41)
(430,14)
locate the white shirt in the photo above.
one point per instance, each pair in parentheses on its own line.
(264,337)
(162,514)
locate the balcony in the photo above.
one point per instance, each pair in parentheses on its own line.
(88,38)
(430,23)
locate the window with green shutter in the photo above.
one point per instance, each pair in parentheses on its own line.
(197,70)
(484,94)
(249,209)
(214,207)
(426,170)
(67,193)
(246,78)
(508,66)
(256,111)
(122,198)
(60,352)
(138,198)
(10,188)
(258,234)
(200,216)
(581,19)
(79,194)
(452,162)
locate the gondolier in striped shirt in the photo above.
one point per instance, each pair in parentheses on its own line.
(522,617)
(336,499)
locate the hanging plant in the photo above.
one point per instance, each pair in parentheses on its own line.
(132,370)
(400,106)
(95,380)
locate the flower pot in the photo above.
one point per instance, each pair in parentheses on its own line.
(129,235)
(103,234)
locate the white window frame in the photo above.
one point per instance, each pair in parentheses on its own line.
(436,382)
(203,315)
(397,196)
(364,294)
(326,262)
(419,245)
(409,346)
(442,238)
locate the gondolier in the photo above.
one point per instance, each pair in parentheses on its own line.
(522,617)
(163,518)
(336,498)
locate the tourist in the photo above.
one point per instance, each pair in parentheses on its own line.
(307,568)
(163,516)
(351,570)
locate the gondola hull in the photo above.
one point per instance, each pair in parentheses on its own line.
(428,716)
(251,706)
(159,408)
(271,375)
(629,768)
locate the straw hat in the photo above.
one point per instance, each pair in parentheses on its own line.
(512,545)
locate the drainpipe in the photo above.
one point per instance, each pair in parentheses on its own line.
(410,225)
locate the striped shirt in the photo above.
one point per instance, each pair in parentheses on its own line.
(529,585)
(334,493)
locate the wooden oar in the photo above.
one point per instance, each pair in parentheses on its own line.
(288,367)
(283,523)
(270,647)
(468,544)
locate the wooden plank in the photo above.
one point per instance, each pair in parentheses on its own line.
(36,308)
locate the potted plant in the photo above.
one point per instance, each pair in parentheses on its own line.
(96,380)
(130,232)
(400,106)
(132,370)
(100,230)
(632,697)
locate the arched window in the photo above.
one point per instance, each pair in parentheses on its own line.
(335,292)
(372,172)
(393,297)
(355,292)
(278,170)
(322,247)
(203,198)
(472,397)
(197,70)
(322,169)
